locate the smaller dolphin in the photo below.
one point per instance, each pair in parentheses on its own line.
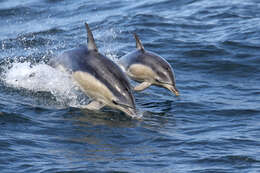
(98,76)
(148,68)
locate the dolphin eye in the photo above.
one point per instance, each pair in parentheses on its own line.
(157,80)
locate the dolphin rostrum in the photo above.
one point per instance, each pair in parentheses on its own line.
(148,68)
(99,77)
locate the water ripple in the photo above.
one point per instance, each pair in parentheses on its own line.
(213,47)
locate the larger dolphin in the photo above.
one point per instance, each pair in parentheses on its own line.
(148,68)
(98,76)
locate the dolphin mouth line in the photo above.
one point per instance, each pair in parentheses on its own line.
(165,83)
(125,105)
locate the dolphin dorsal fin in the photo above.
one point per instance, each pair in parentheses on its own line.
(91,41)
(139,44)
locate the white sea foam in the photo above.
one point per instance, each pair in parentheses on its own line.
(42,77)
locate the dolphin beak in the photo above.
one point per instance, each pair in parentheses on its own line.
(131,112)
(173,89)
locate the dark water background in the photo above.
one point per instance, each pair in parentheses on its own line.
(213,126)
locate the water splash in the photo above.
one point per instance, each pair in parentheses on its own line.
(109,44)
(43,78)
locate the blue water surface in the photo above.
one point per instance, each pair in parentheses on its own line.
(213,126)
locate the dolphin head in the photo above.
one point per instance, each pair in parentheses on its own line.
(164,76)
(166,79)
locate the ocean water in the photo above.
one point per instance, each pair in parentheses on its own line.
(213,126)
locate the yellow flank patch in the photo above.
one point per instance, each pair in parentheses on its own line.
(141,72)
(91,86)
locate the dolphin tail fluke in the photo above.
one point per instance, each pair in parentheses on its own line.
(139,44)
(91,41)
